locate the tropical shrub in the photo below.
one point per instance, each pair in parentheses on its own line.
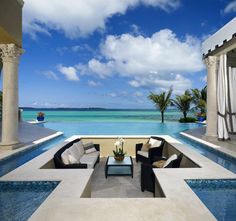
(187,120)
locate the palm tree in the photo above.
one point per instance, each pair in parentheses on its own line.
(183,102)
(199,99)
(161,101)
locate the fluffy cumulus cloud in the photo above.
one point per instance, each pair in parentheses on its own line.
(69,72)
(230,7)
(160,60)
(79,17)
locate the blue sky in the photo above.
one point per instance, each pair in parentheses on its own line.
(111,54)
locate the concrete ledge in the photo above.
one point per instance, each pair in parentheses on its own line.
(210,145)
(7,154)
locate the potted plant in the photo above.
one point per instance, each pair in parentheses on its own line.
(119,153)
(40,116)
(201,116)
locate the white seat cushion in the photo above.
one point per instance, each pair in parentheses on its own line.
(89,160)
(170,159)
(143,153)
(65,157)
(73,150)
(93,154)
(154,142)
(80,147)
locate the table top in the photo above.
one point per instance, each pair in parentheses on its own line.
(127,161)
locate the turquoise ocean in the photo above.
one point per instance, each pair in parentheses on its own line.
(102,115)
(101,122)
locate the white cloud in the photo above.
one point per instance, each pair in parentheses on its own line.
(50,75)
(75,48)
(160,60)
(138,94)
(204,79)
(230,7)
(93,83)
(79,17)
(69,72)
(135,29)
(47,104)
(112,94)
(179,82)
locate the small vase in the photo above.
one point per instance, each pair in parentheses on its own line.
(40,118)
(201,119)
(119,158)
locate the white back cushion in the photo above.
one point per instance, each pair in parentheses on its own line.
(154,142)
(80,147)
(65,157)
(73,150)
(72,159)
(170,159)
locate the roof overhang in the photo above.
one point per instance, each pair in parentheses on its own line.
(223,41)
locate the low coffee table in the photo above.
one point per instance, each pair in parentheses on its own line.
(119,168)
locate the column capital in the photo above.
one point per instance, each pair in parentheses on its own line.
(211,61)
(10,52)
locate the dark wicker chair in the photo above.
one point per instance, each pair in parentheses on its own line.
(154,153)
(59,163)
(148,177)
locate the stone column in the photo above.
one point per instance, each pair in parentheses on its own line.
(211,63)
(10,58)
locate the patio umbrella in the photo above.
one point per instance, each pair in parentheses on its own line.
(231,119)
(222,98)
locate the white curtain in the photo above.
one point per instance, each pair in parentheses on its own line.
(222,98)
(231,120)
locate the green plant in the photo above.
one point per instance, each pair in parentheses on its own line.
(119,144)
(41,114)
(187,120)
(161,101)
(200,99)
(201,114)
(183,102)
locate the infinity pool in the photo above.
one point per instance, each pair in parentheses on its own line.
(120,128)
(218,195)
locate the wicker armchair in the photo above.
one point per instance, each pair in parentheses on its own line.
(154,153)
(148,177)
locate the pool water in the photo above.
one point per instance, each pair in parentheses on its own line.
(120,128)
(19,199)
(218,195)
(220,158)
(11,163)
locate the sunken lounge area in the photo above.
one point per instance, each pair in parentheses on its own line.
(162,194)
(131,178)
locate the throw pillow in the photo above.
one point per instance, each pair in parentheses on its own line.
(170,159)
(154,142)
(89,148)
(146,147)
(159,163)
(65,157)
